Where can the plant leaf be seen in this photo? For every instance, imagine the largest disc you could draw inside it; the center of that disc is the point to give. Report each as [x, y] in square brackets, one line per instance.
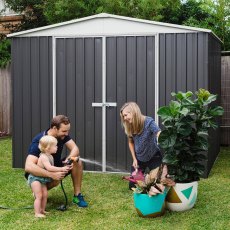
[174, 107]
[184, 111]
[202, 133]
[210, 99]
[164, 112]
[167, 139]
[217, 111]
[184, 129]
[170, 159]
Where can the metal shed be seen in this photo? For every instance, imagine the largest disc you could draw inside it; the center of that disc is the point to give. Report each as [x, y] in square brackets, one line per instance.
[87, 68]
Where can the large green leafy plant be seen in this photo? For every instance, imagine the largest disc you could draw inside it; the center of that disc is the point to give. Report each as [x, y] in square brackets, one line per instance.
[184, 139]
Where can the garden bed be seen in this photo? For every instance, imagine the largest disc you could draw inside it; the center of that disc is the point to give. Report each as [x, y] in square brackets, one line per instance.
[3, 134]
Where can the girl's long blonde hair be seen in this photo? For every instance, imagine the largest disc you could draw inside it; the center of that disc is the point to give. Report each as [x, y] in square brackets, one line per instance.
[138, 119]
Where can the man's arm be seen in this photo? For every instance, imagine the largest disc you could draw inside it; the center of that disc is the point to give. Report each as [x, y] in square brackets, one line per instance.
[31, 167]
[72, 147]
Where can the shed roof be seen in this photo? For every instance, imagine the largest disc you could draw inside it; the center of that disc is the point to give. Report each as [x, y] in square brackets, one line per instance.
[107, 24]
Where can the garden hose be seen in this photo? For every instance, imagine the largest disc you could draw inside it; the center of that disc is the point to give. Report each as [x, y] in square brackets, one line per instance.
[69, 162]
[10, 208]
[60, 208]
[63, 207]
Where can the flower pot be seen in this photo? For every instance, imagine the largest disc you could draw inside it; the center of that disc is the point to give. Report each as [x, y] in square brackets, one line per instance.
[182, 196]
[150, 206]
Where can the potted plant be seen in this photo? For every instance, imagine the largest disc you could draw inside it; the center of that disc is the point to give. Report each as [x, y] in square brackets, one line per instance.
[184, 141]
[151, 190]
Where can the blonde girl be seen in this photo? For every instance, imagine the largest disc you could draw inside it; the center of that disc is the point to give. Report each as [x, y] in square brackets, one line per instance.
[142, 133]
[47, 146]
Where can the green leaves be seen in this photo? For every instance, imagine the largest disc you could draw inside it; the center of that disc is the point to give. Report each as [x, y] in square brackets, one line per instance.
[164, 112]
[184, 111]
[4, 52]
[170, 159]
[184, 129]
[216, 111]
[180, 96]
[167, 139]
[184, 138]
[174, 107]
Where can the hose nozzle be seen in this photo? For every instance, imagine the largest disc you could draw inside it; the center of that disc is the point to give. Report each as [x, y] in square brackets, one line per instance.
[72, 159]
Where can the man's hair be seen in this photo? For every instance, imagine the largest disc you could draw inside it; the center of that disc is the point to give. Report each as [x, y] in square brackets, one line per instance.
[58, 120]
[46, 142]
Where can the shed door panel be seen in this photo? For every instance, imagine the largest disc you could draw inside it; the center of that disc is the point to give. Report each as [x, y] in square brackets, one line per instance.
[130, 76]
[79, 83]
[130, 71]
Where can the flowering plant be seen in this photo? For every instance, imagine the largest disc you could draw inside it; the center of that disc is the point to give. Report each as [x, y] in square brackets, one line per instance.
[151, 183]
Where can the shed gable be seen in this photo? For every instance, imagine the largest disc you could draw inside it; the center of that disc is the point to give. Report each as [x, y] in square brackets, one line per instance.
[106, 24]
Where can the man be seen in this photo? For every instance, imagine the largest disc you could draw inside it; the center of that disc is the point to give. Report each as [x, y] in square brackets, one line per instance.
[59, 128]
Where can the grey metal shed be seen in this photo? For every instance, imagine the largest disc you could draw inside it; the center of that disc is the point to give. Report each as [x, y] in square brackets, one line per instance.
[87, 68]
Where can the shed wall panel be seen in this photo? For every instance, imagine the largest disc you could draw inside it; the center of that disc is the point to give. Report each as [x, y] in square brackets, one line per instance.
[122, 85]
[71, 83]
[225, 100]
[130, 75]
[111, 96]
[202, 64]
[190, 61]
[35, 85]
[46, 90]
[150, 76]
[18, 154]
[214, 82]
[184, 64]
[26, 95]
[32, 92]
[79, 80]
[97, 98]
[79, 95]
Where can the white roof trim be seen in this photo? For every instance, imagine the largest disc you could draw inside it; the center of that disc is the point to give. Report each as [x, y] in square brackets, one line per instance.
[105, 15]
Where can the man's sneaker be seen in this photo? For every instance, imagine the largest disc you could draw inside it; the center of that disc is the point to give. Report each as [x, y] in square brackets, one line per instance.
[79, 200]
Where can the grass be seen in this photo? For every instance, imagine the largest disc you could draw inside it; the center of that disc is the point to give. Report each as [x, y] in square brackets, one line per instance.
[110, 202]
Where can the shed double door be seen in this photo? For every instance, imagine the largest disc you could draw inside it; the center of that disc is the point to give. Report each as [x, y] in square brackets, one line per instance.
[95, 76]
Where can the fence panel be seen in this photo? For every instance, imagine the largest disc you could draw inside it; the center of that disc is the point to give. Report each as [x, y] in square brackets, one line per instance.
[225, 100]
[5, 100]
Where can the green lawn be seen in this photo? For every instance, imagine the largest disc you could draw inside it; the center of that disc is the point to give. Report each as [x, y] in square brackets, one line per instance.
[110, 202]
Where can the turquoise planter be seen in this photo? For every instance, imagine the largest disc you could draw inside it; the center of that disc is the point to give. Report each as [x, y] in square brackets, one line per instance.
[150, 206]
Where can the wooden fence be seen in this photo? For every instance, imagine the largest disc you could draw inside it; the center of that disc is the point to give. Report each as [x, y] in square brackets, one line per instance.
[225, 100]
[5, 101]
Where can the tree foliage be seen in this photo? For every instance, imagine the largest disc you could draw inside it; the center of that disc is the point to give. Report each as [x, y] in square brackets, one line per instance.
[32, 12]
[64, 10]
[33, 17]
[219, 22]
[209, 14]
[4, 51]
